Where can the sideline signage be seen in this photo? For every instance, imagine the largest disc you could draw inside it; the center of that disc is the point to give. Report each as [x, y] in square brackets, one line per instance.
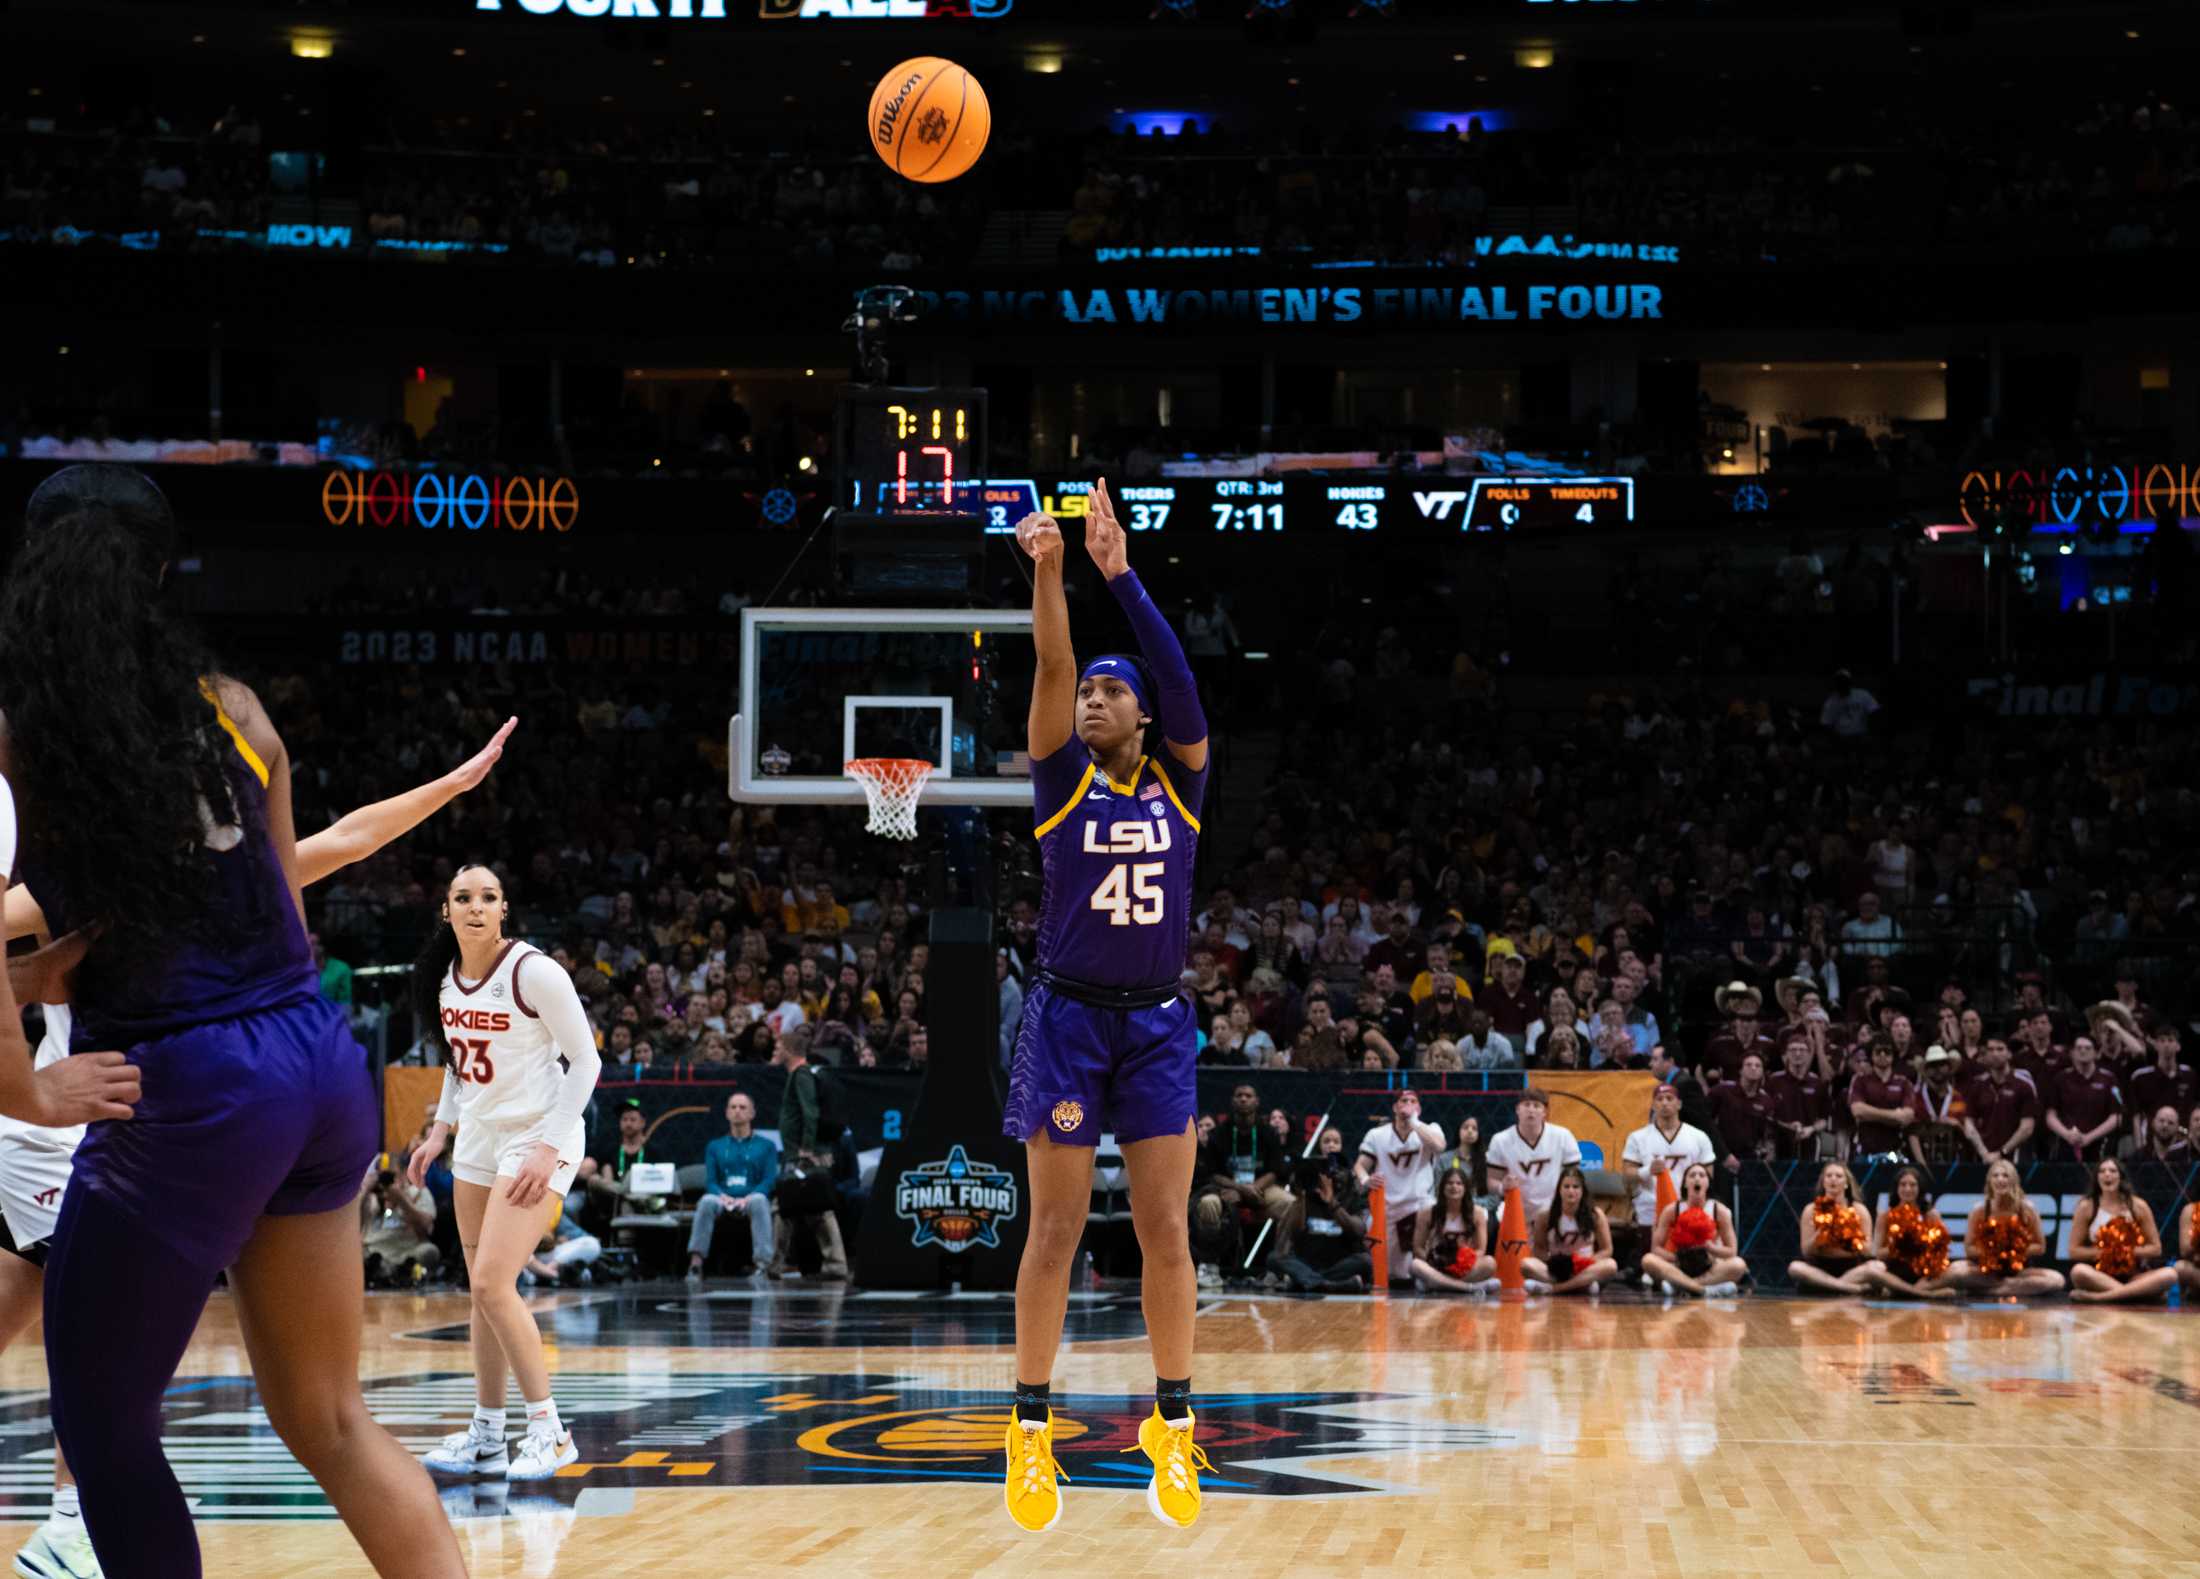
[449, 499]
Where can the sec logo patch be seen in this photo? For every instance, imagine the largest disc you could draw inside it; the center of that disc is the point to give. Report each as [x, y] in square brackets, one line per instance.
[1067, 1116]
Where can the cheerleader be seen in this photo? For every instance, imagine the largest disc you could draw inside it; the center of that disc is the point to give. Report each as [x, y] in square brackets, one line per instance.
[2112, 1241]
[520, 1066]
[1910, 1244]
[1692, 1247]
[1573, 1240]
[1449, 1252]
[1837, 1237]
[2001, 1241]
[2188, 1254]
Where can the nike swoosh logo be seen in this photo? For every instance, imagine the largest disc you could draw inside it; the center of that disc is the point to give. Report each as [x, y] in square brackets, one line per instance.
[1097, 795]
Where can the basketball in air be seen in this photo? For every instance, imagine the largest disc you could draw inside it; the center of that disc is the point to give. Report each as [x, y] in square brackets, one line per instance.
[929, 119]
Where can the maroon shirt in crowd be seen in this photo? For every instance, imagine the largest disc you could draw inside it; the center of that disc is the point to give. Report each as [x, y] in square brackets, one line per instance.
[1724, 1052]
[1511, 1013]
[2151, 1090]
[1746, 1119]
[2082, 1101]
[1796, 1101]
[1997, 1107]
[1895, 1091]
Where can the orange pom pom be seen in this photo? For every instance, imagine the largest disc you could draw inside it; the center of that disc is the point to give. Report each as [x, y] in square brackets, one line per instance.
[1839, 1230]
[1693, 1228]
[2117, 1239]
[2001, 1246]
[1917, 1244]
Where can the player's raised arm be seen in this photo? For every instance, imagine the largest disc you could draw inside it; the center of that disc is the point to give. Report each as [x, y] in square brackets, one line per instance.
[358, 834]
[1176, 703]
[1054, 686]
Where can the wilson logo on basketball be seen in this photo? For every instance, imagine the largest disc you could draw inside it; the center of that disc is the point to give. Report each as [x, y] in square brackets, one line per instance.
[890, 111]
[477, 1020]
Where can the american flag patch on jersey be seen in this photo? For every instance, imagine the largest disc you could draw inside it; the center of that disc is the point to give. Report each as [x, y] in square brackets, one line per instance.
[1150, 792]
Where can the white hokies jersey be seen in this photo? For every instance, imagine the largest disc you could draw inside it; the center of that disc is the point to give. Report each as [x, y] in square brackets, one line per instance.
[1646, 1145]
[1537, 1166]
[1405, 1165]
[507, 1062]
[35, 1162]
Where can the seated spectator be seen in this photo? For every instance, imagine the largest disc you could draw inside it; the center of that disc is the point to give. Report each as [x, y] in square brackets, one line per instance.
[564, 1256]
[1558, 1010]
[1443, 1016]
[1836, 1239]
[603, 1172]
[1910, 1243]
[397, 1227]
[1255, 1043]
[1637, 1028]
[2002, 1241]
[1439, 969]
[1692, 1245]
[1402, 1154]
[2115, 1247]
[1441, 1057]
[1467, 1154]
[1321, 1242]
[1387, 1007]
[1562, 1049]
[1241, 1184]
[1397, 949]
[1482, 1048]
[1451, 1243]
[2086, 1109]
[1222, 1045]
[740, 1172]
[2000, 1106]
[1667, 1144]
[1280, 1122]
[1723, 1054]
[1508, 1002]
[2167, 1142]
[1530, 1154]
[1319, 1046]
[1572, 1241]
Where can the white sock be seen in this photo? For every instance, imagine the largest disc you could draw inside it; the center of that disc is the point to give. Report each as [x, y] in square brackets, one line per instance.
[542, 1419]
[1033, 1425]
[65, 1503]
[489, 1423]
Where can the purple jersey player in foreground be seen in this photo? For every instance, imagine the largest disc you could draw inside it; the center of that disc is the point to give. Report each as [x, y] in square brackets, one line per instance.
[155, 817]
[1108, 1039]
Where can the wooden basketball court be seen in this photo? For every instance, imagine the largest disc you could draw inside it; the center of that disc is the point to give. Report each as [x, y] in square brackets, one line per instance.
[858, 1434]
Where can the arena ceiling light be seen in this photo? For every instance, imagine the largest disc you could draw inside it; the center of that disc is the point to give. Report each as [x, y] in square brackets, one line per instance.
[1535, 57]
[312, 46]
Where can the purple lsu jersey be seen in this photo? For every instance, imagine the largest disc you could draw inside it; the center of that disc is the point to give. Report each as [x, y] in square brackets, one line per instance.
[123, 998]
[1116, 909]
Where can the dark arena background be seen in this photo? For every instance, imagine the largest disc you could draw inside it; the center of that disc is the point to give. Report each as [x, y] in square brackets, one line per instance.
[1682, 515]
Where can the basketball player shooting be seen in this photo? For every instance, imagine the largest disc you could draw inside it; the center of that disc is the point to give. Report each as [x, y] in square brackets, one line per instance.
[1108, 1038]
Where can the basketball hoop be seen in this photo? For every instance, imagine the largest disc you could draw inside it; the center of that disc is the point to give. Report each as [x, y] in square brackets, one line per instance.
[891, 785]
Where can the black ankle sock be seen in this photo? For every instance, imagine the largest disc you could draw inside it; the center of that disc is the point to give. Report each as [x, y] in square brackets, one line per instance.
[1174, 1399]
[1031, 1400]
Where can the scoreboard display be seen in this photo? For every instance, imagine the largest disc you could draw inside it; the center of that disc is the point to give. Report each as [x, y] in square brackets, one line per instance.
[910, 451]
[1309, 505]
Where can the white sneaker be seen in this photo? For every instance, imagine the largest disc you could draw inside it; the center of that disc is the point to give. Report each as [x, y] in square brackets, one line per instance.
[58, 1549]
[1209, 1276]
[1666, 1288]
[467, 1452]
[1537, 1285]
[1722, 1291]
[540, 1456]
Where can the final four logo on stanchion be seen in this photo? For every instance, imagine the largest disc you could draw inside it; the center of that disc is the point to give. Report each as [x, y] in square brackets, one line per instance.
[956, 1204]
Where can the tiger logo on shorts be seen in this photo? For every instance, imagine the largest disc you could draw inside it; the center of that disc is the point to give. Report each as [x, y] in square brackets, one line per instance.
[1067, 1116]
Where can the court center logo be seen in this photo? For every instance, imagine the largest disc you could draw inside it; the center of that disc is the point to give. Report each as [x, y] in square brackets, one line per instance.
[956, 1204]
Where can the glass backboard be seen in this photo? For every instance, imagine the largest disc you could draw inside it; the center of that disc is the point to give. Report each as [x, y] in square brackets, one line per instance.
[822, 686]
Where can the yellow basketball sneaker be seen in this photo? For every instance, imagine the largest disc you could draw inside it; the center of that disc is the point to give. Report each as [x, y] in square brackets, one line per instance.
[1033, 1497]
[1173, 1494]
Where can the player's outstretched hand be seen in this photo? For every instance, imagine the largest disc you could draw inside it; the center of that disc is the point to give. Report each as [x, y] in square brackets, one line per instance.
[1104, 538]
[1039, 536]
[476, 767]
[82, 1088]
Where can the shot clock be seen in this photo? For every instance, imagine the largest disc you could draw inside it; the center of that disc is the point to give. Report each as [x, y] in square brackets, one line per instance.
[910, 451]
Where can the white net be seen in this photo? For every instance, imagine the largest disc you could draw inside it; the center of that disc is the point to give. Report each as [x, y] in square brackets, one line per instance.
[891, 785]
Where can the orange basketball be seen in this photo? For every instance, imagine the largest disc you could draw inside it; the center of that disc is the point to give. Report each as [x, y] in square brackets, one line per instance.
[929, 119]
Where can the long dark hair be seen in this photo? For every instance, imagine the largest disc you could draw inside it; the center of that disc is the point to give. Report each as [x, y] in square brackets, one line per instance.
[435, 958]
[116, 754]
[1585, 1219]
